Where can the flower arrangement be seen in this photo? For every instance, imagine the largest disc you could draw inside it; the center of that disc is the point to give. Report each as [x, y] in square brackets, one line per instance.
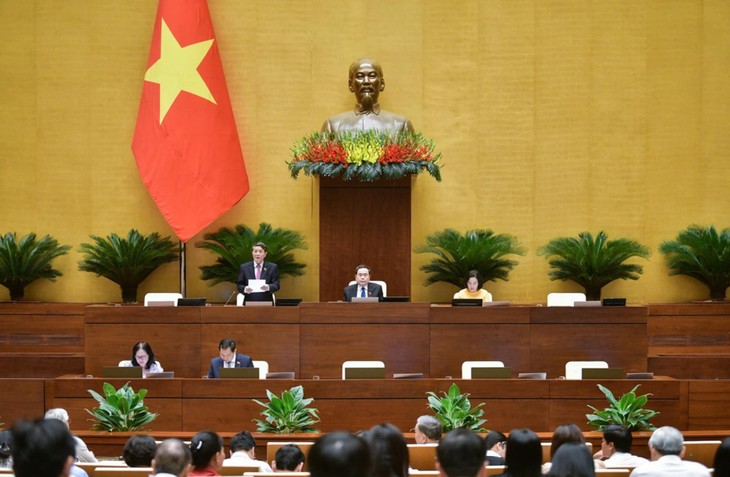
[365, 155]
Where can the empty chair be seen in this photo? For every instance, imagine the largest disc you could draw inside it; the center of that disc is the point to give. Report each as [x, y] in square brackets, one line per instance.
[564, 299]
[263, 368]
[169, 299]
[382, 284]
[467, 366]
[361, 364]
[574, 369]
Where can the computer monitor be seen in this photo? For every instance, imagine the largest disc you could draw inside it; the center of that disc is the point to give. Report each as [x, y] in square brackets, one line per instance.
[163, 374]
[396, 299]
[467, 302]
[288, 301]
[200, 301]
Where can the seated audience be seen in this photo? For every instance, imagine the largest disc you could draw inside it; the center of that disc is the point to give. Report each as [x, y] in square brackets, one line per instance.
[568, 433]
[722, 459]
[473, 288]
[43, 448]
[6, 444]
[666, 446]
[172, 459]
[362, 287]
[288, 458]
[83, 454]
[572, 460]
[139, 451]
[388, 451]
[428, 430]
[228, 358]
[206, 449]
[496, 447]
[616, 449]
[243, 452]
[339, 454]
[524, 454]
[142, 355]
[461, 453]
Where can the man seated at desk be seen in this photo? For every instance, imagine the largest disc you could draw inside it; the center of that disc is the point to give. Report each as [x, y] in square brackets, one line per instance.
[228, 358]
[362, 287]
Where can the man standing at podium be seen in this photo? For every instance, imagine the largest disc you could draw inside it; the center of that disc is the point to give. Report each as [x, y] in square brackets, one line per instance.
[258, 280]
[362, 287]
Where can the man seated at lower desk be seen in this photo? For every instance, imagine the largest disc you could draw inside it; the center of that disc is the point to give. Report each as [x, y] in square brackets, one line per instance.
[362, 287]
[228, 358]
[616, 449]
[243, 452]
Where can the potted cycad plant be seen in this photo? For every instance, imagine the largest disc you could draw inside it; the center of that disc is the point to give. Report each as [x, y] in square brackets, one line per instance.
[287, 414]
[26, 260]
[454, 410]
[120, 409]
[593, 263]
[627, 411]
[703, 254]
[127, 261]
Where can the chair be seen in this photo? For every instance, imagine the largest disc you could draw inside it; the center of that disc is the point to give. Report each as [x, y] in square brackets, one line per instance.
[263, 368]
[122, 471]
[150, 299]
[564, 299]
[238, 469]
[701, 451]
[361, 364]
[422, 456]
[467, 366]
[613, 472]
[241, 298]
[574, 369]
[273, 446]
[495, 469]
[382, 284]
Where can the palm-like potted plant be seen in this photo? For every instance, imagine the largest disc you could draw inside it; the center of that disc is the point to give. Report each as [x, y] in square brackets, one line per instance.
[627, 411]
[25, 261]
[120, 409]
[703, 254]
[127, 261]
[233, 247]
[454, 410]
[479, 249]
[287, 414]
[593, 264]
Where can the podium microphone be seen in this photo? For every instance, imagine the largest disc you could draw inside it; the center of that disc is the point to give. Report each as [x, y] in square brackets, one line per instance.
[229, 298]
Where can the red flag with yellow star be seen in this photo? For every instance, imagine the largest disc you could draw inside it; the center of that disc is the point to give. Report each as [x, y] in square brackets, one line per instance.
[186, 143]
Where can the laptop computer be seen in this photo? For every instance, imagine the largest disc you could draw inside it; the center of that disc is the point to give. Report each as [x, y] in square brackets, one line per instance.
[365, 299]
[496, 303]
[467, 302]
[160, 303]
[288, 301]
[584, 304]
[644, 375]
[532, 375]
[364, 373]
[258, 303]
[239, 373]
[396, 299]
[191, 301]
[491, 373]
[122, 372]
[614, 302]
[602, 373]
[280, 375]
[164, 374]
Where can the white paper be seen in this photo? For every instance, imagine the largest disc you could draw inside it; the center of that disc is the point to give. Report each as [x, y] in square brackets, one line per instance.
[256, 285]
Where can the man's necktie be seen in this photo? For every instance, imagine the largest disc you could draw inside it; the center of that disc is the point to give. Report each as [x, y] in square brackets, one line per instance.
[362, 292]
[258, 271]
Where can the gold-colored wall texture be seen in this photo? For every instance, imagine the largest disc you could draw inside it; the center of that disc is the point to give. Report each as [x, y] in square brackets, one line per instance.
[553, 117]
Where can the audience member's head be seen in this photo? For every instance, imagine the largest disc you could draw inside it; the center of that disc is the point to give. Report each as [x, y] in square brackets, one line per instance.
[569, 433]
[172, 457]
[428, 429]
[43, 448]
[243, 441]
[6, 445]
[615, 439]
[461, 453]
[388, 451]
[524, 454]
[139, 451]
[206, 448]
[142, 355]
[288, 458]
[339, 454]
[496, 442]
[58, 414]
[666, 441]
[722, 459]
[572, 460]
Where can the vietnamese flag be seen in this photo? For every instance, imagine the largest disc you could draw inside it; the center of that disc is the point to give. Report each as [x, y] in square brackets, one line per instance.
[185, 142]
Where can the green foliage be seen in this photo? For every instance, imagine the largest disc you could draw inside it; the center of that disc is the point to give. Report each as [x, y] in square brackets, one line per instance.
[120, 410]
[477, 249]
[703, 254]
[287, 414]
[454, 410]
[628, 411]
[26, 261]
[233, 247]
[591, 263]
[127, 262]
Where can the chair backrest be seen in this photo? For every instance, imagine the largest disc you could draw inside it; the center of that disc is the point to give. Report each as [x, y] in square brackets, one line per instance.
[495, 469]
[422, 456]
[701, 451]
[382, 284]
[122, 471]
[263, 368]
[361, 364]
[238, 469]
[613, 472]
[546, 450]
[564, 299]
[467, 366]
[277, 474]
[161, 298]
[273, 446]
[574, 369]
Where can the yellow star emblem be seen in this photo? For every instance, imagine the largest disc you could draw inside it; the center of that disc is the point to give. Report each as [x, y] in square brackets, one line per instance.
[177, 70]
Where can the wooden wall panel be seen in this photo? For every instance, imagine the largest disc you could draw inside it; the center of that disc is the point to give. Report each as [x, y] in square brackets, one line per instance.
[708, 405]
[21, 399]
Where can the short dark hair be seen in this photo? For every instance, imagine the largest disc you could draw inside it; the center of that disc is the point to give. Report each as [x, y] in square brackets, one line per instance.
[288, 457]
[461, 453]
[388, 451]
[143, 345]
[6, 444]
[259, 244]
[493, 438]
[572, 459]
[172, 457]
[203, 447]
[524, 453]
[227, 343]
[362, 265]
[568, 433]
[242, 441]
[474, 274]
[430, 426]
[620, 436]
[139, 451]
[339, 454]
[722, 458]
[41, 448]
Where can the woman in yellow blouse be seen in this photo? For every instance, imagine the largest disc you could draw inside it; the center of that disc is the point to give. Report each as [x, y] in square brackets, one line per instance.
[474, 288]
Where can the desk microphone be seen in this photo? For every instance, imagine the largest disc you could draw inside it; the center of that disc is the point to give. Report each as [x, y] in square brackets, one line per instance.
[229, 298]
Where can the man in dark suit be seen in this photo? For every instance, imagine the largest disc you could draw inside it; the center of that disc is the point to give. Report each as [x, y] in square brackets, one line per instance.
[258, 269]
[363, 287]
[228, 358]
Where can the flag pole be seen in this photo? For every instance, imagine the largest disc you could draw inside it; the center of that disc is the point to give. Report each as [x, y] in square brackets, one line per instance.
[182, 268]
